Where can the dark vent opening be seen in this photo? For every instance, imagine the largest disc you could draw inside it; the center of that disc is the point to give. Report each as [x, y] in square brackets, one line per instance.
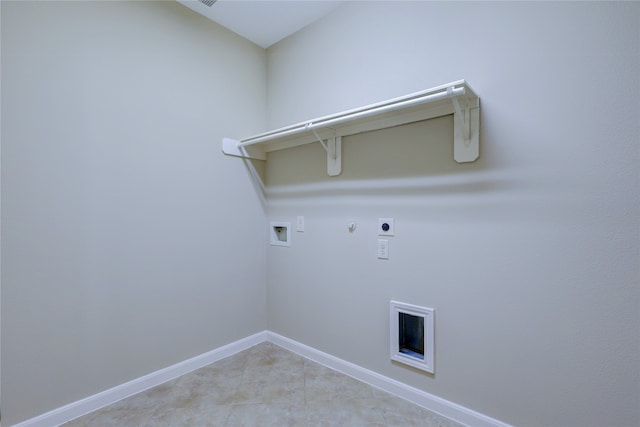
[411, 335]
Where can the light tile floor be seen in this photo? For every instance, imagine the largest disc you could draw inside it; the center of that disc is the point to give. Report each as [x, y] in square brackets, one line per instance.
[265, 385]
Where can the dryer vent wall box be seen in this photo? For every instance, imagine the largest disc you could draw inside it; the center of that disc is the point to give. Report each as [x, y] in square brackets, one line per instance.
[280, 233]
[412, 335]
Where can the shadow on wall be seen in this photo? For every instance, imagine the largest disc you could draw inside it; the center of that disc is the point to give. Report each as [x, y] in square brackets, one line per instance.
[411, 160]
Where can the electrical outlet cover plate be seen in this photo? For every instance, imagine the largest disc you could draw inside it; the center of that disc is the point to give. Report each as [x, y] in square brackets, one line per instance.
[385, 227]
[383, 249]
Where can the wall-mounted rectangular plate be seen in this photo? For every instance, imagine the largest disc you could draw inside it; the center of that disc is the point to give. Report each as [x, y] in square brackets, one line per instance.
[280, 233]
[412, 335]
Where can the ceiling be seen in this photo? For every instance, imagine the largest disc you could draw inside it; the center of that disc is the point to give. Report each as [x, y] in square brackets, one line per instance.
[264, 22]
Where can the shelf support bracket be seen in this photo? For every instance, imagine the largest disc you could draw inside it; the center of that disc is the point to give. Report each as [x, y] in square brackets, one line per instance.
[333, 147]
[334, 156]
[233, 147]
[320, 140]
[466, 130]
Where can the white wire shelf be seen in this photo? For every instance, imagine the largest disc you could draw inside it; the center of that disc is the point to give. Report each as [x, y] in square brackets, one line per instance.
[455, 98]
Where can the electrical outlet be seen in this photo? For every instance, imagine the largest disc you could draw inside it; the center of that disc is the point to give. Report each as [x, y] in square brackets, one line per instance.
[385, 227]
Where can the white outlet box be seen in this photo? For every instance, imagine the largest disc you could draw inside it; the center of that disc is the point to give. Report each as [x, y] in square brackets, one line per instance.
[385, 227]
[280, 233]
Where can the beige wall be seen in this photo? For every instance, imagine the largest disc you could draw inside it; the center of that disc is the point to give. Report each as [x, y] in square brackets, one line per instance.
[129, 241]
[529, 255]
[125, 249]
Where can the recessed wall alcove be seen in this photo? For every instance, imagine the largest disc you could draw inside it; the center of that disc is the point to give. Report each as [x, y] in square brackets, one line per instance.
[411, 337]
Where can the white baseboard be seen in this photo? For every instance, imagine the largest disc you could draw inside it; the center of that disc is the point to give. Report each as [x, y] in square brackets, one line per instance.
[428, 401]
[108, 397]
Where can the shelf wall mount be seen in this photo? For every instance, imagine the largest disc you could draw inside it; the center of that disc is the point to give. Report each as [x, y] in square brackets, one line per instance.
[455, 98]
